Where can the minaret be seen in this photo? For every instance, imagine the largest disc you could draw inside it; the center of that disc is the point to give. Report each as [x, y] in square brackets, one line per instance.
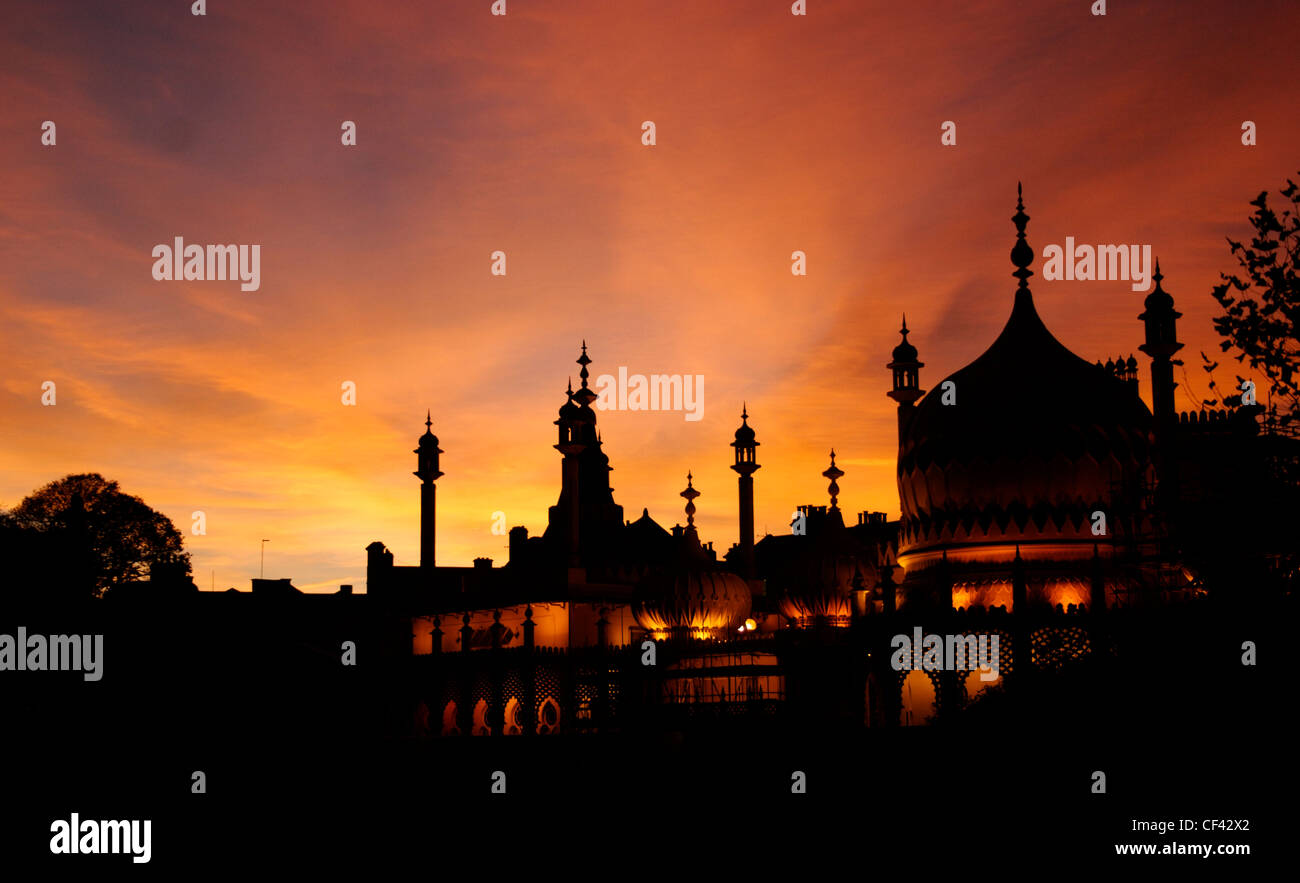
[1161, 343]
[907, 380]
[1161, 321]
[428, 473]
[746, 463]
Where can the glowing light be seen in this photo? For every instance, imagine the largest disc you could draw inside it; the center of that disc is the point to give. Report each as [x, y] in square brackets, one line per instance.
[749, 626]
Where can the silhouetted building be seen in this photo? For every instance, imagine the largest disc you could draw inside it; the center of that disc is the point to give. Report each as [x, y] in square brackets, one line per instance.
[1034, 487]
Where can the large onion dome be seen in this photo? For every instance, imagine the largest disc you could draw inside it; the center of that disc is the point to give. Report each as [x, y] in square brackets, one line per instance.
[1032, 441]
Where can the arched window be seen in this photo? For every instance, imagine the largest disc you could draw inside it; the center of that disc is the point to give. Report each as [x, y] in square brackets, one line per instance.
[449, 727]
[480, 726]
[918, 699]
[512, 718]
[548, 718]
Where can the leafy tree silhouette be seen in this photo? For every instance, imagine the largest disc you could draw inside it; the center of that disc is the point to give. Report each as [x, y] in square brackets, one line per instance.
[1260, 306]
[81, 536]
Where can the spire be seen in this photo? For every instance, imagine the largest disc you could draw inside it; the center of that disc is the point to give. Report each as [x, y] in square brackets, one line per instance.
[1021, 254]
[428, 421]
[905, 354]
[584, 396]
[690, 494]
[834, 473]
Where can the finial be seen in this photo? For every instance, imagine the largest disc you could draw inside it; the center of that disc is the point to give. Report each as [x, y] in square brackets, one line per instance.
[903, 330]
[569, 390]
[1021, 254]
[690, 494]
[428, 420]
[585, 396]
[744, 411]
[834, 473]
[1157, 276]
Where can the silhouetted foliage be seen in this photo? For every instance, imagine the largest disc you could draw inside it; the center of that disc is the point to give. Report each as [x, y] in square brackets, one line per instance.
[1260, 307]
[80, 536]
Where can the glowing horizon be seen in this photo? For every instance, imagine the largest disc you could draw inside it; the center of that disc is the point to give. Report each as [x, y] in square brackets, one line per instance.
[774, 134]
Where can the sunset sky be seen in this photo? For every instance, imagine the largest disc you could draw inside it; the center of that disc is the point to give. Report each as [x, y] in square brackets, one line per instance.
[522, 133]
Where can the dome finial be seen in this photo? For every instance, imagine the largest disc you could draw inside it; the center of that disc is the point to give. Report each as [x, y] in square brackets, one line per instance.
[1021, 254]
[744, 412]
[690, 494]
[584, 396]
[428, 420]
[1157, 276]
[834, 473]
[584, 361]
[903, 330]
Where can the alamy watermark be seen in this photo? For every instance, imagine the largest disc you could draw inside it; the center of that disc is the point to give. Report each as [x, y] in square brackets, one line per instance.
[24, 652]
[197, 263]
[99, 837]
[658, 392]
[1084, 263]
[946, 653]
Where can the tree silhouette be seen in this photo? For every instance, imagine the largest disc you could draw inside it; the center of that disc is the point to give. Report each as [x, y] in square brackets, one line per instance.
[81, 535]
[1260, 307]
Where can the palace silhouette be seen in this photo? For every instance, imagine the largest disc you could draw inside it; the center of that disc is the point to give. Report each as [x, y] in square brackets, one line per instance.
[1040, 500]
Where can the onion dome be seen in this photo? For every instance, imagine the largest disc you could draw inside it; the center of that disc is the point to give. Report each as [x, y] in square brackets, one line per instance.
[693, 603]
[1158, 299]
[819, 587]
[905, 352]
[569, 410]
[428, 439]
[427, 453]
[690, 597]
[1036, 440]
[745, 434]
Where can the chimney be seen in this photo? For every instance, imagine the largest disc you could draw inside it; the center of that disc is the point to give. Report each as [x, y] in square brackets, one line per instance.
[518, 540]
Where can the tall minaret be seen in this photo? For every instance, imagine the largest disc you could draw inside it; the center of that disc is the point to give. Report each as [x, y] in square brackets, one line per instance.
[907, 380]
[428, 473]
[1161, 343]
[746, 463]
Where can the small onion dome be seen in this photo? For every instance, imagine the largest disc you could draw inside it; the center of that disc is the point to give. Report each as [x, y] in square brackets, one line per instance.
[814, 582]
[905, 352]
[569, 410]
[693, 603]
[1158, 299]
[824, 591]
[745, 434]
[428, 439]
